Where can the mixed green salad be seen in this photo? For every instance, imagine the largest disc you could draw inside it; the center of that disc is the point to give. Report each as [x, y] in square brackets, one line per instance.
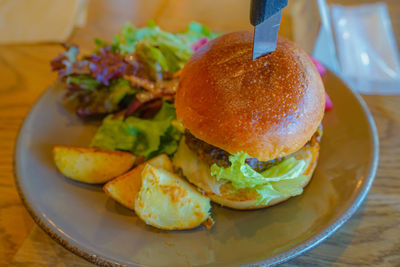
[132, 81]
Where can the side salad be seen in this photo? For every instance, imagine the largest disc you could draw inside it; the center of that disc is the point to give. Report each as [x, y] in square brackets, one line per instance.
[132, 81]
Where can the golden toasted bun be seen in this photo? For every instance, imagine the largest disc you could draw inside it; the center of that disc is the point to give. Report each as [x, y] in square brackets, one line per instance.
[198, 173]
[269, 107]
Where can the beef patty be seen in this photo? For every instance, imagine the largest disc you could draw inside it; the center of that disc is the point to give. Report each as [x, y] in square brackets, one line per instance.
[211, 154]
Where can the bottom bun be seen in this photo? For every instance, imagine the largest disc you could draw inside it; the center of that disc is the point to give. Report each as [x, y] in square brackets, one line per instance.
[198, 173]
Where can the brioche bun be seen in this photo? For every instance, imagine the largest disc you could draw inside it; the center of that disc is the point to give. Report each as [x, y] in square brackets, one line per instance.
[269, 107]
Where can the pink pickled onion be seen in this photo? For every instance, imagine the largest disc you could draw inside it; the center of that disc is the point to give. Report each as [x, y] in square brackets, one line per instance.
[322, 70]
[199, 43]
[328, 102]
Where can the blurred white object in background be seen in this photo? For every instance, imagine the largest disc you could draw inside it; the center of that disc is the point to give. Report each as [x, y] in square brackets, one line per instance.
[32, 21]
[366, 48]
[324, 48]
[355, 42]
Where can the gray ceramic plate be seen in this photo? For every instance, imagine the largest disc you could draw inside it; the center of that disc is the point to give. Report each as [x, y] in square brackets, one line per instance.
[84, 220]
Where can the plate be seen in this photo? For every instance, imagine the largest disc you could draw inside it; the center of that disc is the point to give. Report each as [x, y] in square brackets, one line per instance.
[88, 223]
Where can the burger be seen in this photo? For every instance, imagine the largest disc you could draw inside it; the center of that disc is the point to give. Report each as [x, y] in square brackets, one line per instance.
[252, 127]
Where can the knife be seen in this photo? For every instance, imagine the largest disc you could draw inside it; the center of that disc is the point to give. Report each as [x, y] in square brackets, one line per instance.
[265, 16]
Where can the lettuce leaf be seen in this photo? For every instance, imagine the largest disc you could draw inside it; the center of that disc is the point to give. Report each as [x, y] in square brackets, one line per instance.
[196, 31]
[282, 180]
[119, 89]
[126, 40]
[84, 81]
[95, 98]
[149, 137]
[158, 49]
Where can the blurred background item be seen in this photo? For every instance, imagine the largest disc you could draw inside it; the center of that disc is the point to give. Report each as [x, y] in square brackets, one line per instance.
[356, 42]
[33, 21]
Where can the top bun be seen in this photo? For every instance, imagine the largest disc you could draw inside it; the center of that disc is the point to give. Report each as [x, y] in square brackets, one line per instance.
[269, 107]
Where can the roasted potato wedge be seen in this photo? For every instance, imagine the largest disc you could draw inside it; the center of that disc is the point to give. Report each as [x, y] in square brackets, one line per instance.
[168, 202]
[124, 188]
[91, 165]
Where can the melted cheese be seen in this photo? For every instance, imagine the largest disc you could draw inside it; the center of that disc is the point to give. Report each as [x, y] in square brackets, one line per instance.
[194, 169]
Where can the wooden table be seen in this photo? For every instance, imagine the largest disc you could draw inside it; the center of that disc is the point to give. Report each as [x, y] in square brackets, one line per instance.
[372, 236]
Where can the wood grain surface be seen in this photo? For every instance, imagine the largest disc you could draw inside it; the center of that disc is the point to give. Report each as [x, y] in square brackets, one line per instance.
[371, 237]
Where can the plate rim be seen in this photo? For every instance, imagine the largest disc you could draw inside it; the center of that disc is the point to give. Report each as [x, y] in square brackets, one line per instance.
[101, 260]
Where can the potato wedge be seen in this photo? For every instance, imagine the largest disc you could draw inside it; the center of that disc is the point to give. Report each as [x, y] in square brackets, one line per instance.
[124, 188]
[91, 165]
[168, 202]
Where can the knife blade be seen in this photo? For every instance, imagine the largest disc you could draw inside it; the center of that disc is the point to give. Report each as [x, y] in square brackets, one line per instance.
[265, 15]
